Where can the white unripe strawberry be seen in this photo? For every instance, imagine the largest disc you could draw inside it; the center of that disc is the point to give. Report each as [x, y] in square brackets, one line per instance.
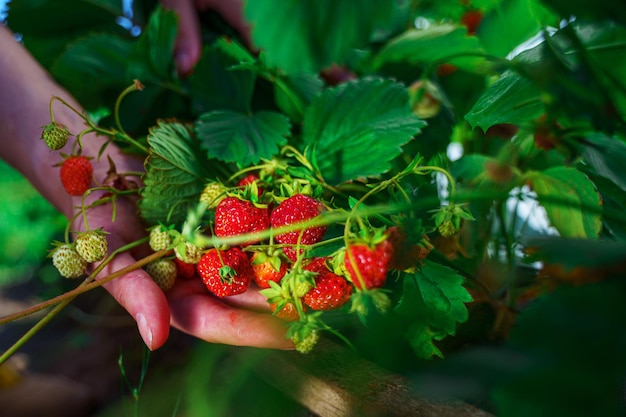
[92, 245]
[163, 272]
[188, 252]
[160, 239]
[68, 262]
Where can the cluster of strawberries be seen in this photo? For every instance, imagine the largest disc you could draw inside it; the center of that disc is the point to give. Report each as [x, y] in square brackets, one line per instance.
[273, 248]
[269, 238]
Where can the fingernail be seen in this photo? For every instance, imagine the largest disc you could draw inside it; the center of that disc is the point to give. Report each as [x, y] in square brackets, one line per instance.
[144, 330]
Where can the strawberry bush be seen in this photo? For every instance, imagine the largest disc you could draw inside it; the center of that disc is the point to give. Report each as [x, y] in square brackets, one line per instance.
[437, 184]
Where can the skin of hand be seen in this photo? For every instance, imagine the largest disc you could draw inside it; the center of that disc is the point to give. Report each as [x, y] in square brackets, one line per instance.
[188, 47]
[25, 92]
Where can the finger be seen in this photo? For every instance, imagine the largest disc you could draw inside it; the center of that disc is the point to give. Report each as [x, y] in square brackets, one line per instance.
[249, 300]
[142, 298]
[188, 46]
[232, 12]
[208, 318]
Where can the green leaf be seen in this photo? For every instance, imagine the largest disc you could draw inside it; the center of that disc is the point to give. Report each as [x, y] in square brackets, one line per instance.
[580, 70]
[511, 23]
[433, 301]
[294, 92]
[39, 22]
[93, 66]
[356, 129]
[151, 57]
[607, 156]
[176, 173]
[437, 44]
[583, 9]
[308, 35]
[241, 138]
[511, 99]
[571, 202]
[572, 350]
[214, 85]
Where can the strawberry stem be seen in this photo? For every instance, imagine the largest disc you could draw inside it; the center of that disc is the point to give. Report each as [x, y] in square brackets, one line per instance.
[65, 299]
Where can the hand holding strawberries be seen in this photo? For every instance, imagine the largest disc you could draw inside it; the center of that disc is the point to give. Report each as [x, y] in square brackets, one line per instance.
[25, 91]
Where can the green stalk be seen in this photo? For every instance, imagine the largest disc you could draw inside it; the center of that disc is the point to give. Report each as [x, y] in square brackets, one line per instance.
[65, 299]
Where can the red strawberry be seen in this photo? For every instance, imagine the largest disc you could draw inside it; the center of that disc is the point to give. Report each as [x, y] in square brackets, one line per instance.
[248, 180]
[330, 292]
[471, 20]
[185, 270]
[267, 268]
[225, 273]
[296, 209]
[287, 313]
[234, 217]
[317, 264]
[372, 264]
[76, 174]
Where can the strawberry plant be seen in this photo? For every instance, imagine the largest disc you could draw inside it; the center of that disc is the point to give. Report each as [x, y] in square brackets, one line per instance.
[437, 179]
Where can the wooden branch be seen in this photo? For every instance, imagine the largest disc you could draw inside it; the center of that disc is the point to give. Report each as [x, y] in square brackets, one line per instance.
[332, 382]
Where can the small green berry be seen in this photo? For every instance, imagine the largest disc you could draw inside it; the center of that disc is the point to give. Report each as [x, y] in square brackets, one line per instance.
[92, 245]
[163, 272]
[68, 262]
[55, 135]
[160, 239]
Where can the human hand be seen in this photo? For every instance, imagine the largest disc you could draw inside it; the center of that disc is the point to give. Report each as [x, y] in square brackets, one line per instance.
[188, 47]
[188, 306]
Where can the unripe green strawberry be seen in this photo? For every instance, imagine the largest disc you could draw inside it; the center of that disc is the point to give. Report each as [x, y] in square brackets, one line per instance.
[68, 262]
[447, 229]
[213, 193]
[188, 252]
[306, 343]
[163, 272]
[92, 245]
[55, 135]
[160, 239]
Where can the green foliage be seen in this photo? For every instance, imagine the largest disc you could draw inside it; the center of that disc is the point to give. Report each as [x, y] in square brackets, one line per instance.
[241, 138]
[572, 204]
[176, 169]
[437, 44]
[348, 141]
[309, 35]
[433, 299]
[536, 107]
[28, 224]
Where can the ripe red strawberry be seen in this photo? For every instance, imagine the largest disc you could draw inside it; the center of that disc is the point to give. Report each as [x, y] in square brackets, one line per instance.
[296, 209]
[248, 180]
[288, 312]
[267, 268]
[185, 270]
[317, 264]
[76, 174]
[372, 263]
[330, 292]
[226, 272]
[234, 217]
[471, 19]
